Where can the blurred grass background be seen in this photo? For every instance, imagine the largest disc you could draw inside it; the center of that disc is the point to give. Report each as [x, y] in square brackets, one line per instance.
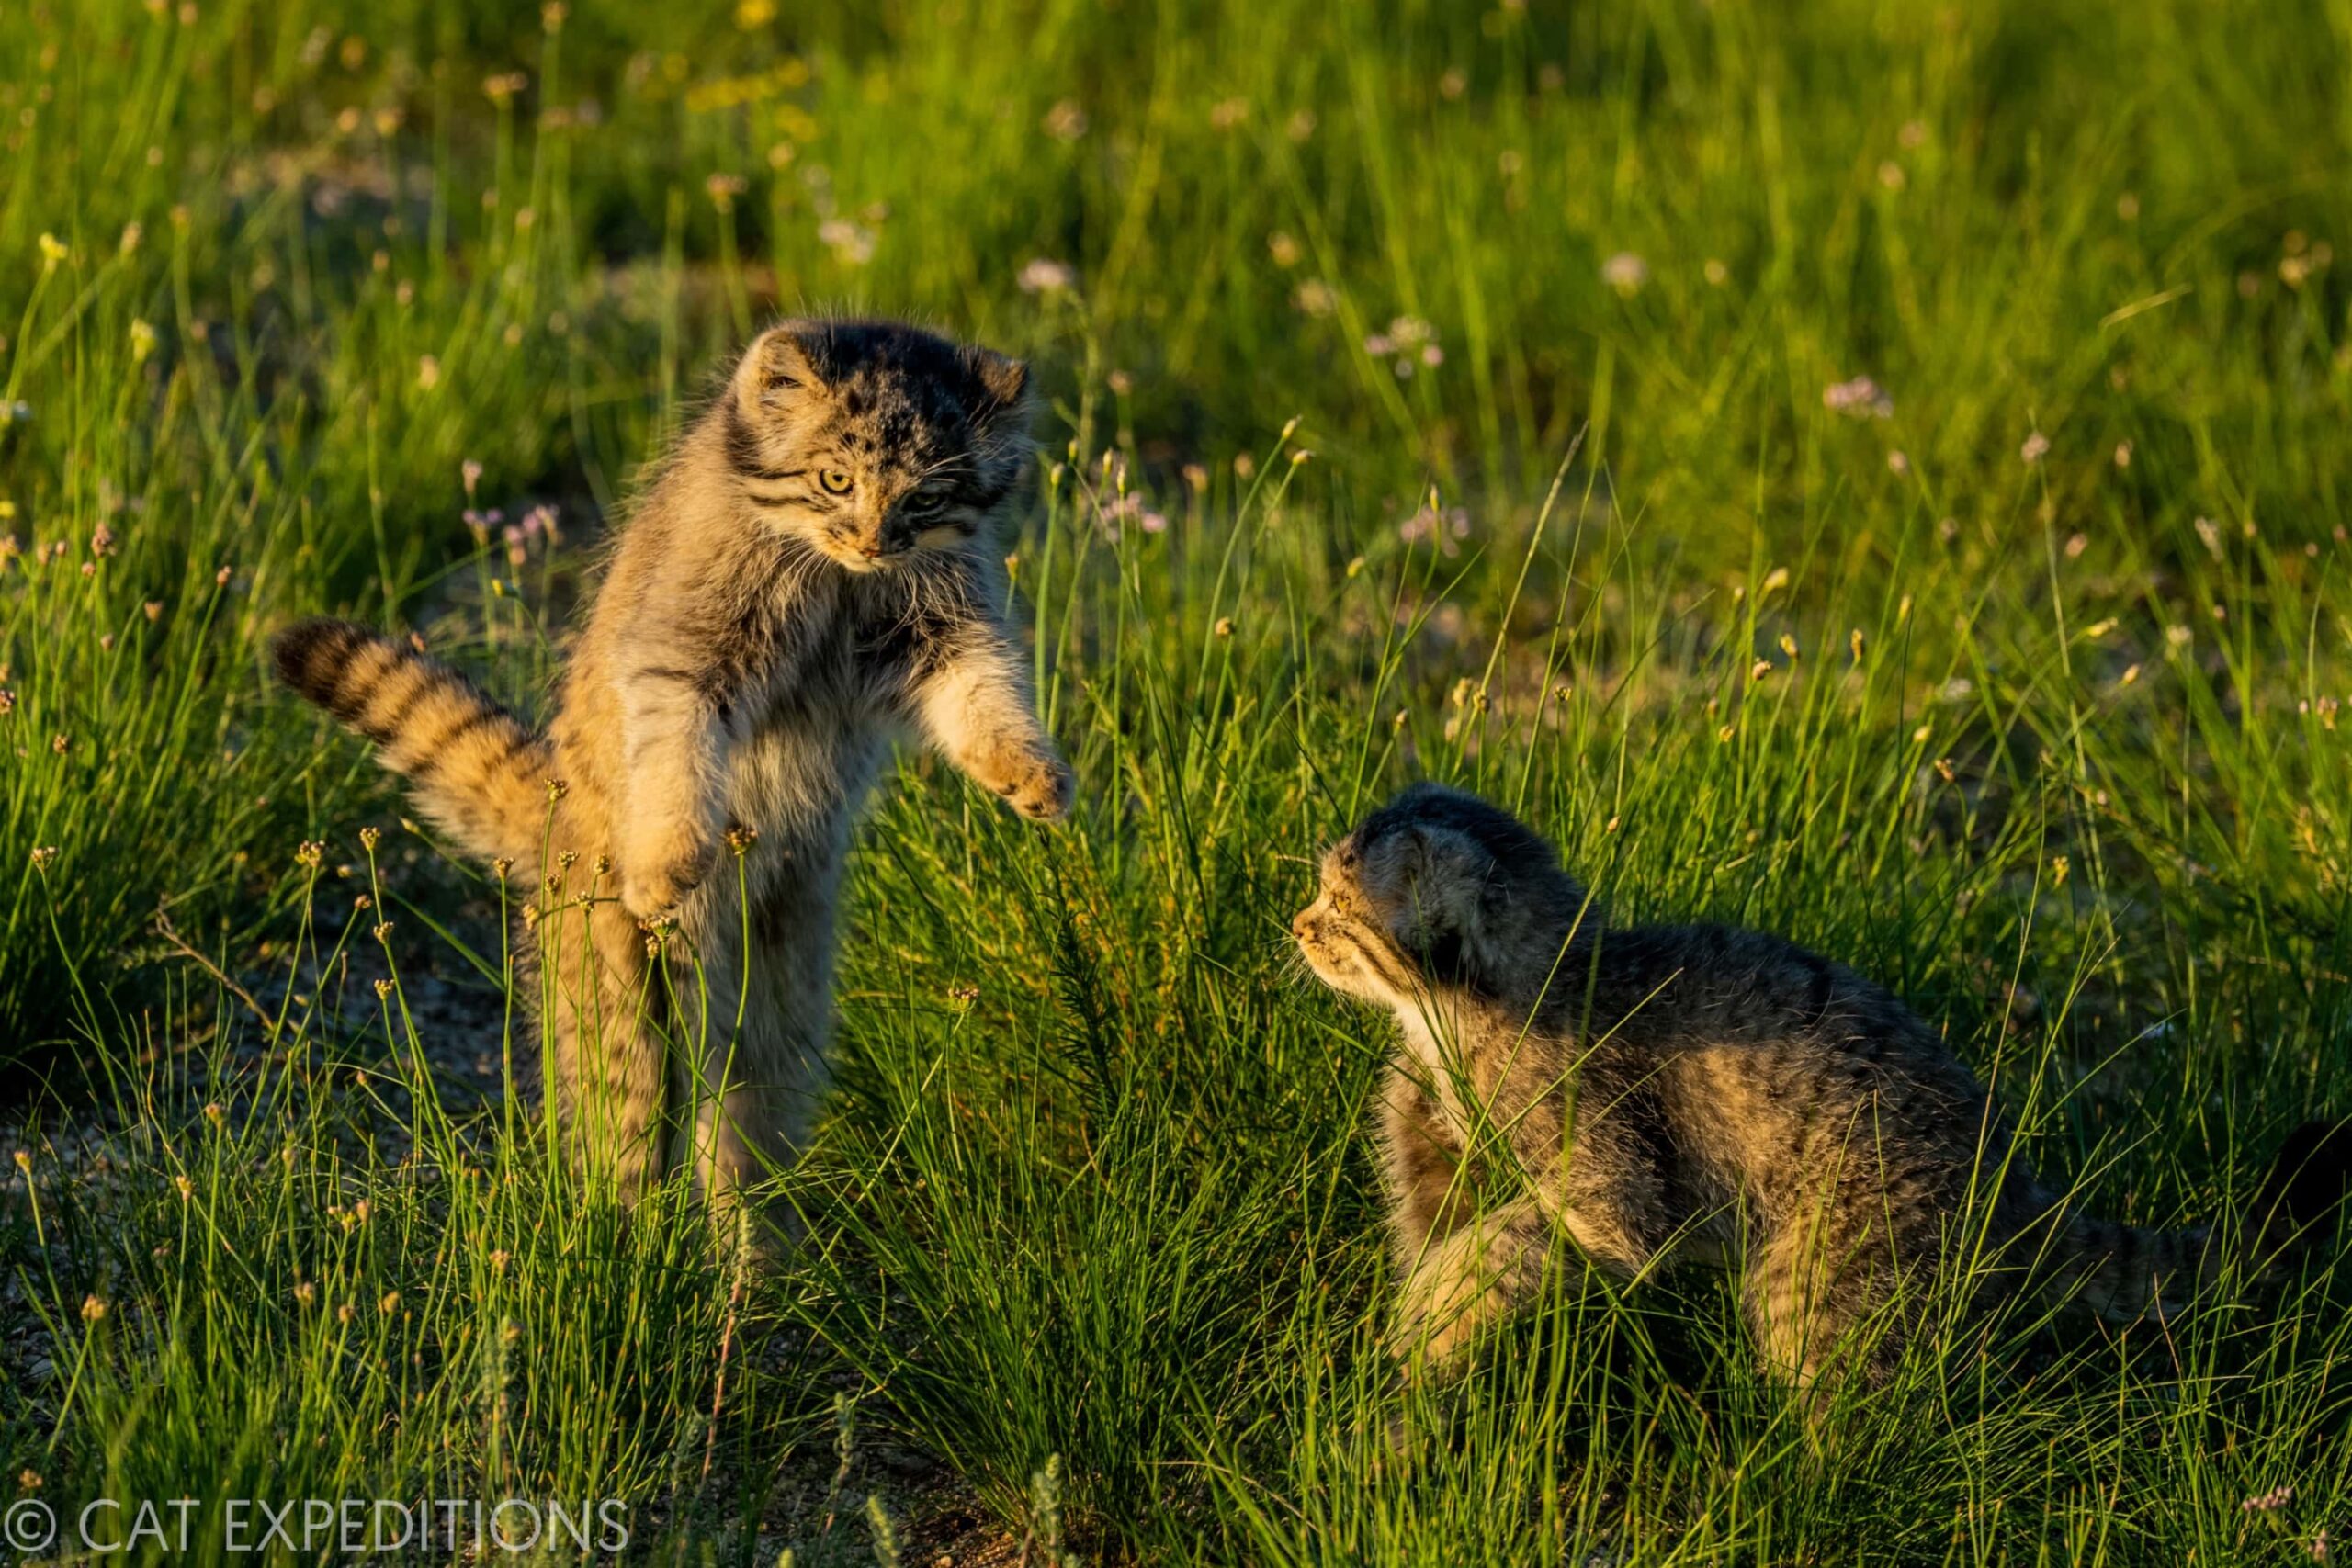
[1872, 470]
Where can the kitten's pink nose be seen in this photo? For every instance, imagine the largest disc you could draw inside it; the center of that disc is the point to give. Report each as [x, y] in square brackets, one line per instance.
[1300, 924]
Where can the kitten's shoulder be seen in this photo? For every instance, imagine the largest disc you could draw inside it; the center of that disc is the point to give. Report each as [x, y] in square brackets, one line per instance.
[1724, 975]
[1698, 948]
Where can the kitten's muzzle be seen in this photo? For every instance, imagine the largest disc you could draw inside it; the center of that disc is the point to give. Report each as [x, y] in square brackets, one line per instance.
[1313, 936]
[880, 547]
[1311, 930]
[1302, 925]
[860, 555]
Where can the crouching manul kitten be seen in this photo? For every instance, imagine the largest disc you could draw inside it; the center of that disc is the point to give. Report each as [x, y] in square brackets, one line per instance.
[817, 568]
[1666, 1094]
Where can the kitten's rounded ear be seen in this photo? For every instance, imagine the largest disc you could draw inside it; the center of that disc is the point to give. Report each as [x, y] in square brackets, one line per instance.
[1004, 378]
[1494, 901]
[1445, 872]
[775, 368]
[1436, 924]
[1414, 851]
[1426, 846]
[1413, 865]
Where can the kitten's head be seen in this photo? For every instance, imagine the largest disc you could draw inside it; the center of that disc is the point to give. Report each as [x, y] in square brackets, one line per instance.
[1438, 889]
[872, 440]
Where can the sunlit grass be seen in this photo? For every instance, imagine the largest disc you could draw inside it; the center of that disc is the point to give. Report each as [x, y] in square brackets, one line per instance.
[1870, 472]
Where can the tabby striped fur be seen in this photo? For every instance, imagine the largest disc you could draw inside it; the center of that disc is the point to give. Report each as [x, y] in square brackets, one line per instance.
[1697, 1094]
[478, 773]
[817, 568]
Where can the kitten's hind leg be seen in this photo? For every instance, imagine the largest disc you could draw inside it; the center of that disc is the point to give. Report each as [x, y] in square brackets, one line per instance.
[602, 1031]
[755, 1037]
[1825, 1303]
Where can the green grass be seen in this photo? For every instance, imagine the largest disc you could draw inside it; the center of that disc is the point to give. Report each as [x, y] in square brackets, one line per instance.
[2049, 745]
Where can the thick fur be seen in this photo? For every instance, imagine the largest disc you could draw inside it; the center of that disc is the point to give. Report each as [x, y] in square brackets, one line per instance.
[817, 569]
[1698, 1094]
[478, 773]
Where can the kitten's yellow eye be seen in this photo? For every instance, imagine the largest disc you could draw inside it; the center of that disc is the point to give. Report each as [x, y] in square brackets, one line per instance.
[835, 481]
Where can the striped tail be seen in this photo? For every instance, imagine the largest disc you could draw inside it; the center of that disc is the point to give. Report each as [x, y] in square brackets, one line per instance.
[2122, 1274]
[477, 772]
[2125, 1274]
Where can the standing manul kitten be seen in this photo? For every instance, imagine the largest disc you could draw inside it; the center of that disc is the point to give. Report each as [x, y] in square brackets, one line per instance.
[818, 569]
[1666, 1094]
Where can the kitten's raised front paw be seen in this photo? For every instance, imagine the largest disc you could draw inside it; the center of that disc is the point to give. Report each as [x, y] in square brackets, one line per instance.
[1039, 786]
[660, 869]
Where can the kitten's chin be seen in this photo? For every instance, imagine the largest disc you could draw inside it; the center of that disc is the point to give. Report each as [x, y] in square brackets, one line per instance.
[1343, 978]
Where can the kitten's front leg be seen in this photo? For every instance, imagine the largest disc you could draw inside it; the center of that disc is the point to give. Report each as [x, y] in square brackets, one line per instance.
[1429, 1197]
[1469, 1282]
[975, 706]
[673, 740]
